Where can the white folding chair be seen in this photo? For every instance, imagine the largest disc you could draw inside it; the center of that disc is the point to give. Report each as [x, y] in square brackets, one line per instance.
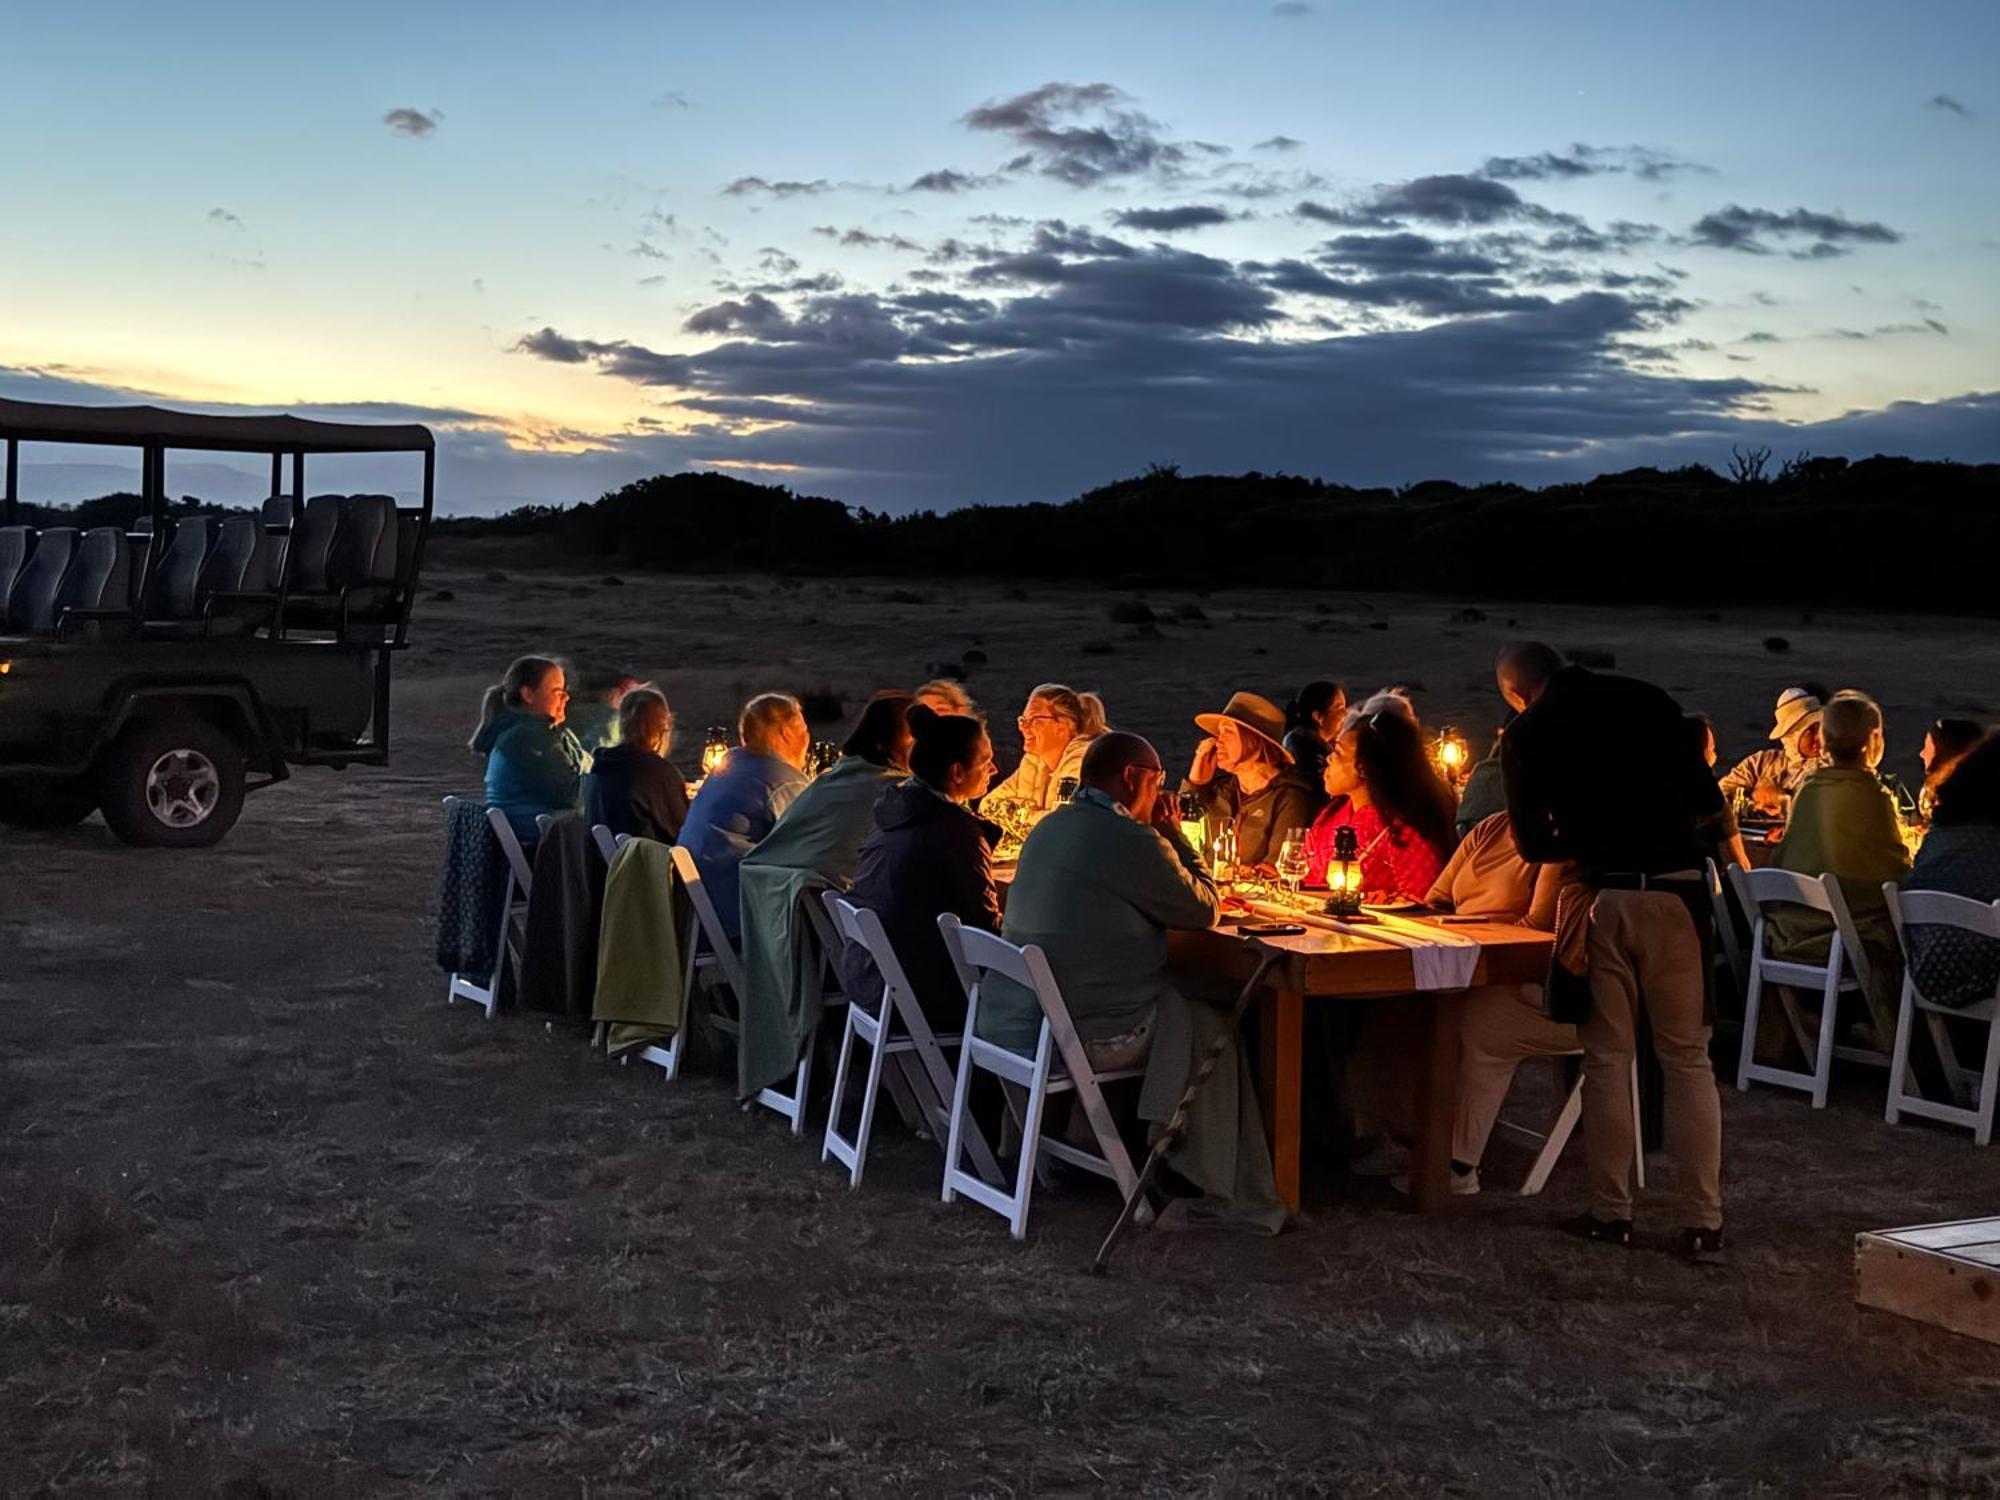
[825, 944]
[486, 995]
[1729, 957]
[712, 962]
[1938, 909]
[1564, 1127]
[1845, 972]
[900, 1030]
[1058, 1065]
[607, 842]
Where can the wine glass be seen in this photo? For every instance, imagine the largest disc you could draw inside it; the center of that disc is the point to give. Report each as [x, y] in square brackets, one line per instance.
[1292, 862]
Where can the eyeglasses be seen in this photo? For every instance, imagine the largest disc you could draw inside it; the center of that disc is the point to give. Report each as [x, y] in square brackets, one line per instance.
[1026, 719]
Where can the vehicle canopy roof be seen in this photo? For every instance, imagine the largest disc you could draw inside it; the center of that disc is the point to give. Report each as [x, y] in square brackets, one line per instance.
[154, 426]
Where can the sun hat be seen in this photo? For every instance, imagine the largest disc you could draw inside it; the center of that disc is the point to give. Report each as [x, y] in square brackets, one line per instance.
[1796, 709]
[1260, 716]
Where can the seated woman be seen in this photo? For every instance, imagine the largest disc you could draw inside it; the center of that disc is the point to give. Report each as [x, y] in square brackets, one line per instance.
[533, 763]
[1961, 855]
[1503, 1023]
[593, 712]
[1057, 726]
[1312, 724]
[1720, 835]
[929, 853]
[943, 696]
[1384, 787]
[1946, 743]
[740, 801]
[1245, 778]
[815, 844]
[632, 787]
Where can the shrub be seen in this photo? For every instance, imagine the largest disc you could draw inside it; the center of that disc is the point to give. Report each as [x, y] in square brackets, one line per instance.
[1130, 612]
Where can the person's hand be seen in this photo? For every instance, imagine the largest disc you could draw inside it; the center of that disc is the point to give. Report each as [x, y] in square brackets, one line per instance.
[1202, 771]
[1167, 813]
[1766, 798]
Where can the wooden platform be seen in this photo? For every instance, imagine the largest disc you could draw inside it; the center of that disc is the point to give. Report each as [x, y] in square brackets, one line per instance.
[1946, 1274]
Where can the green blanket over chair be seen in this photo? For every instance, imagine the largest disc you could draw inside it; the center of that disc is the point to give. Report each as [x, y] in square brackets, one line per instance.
[641, 965]
[816, 846]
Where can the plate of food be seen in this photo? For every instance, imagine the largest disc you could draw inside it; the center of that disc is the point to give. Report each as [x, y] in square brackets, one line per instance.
[1396, 908]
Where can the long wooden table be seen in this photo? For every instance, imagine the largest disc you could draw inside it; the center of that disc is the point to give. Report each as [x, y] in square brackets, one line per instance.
[1324, 966]
[1320, 965]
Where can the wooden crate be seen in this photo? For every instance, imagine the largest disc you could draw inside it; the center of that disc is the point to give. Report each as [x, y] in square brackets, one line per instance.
[1946, 1274]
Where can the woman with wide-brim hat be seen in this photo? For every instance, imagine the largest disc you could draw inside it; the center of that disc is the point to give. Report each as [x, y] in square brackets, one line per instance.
[1246, 778]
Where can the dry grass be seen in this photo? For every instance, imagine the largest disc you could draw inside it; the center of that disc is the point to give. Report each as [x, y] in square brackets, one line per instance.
[275, 1221]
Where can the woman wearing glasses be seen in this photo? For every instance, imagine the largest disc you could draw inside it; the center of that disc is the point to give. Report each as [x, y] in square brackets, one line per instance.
[1057, 726]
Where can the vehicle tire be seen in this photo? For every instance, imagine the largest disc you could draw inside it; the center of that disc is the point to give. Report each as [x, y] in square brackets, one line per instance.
[40, 804]
[172, 781]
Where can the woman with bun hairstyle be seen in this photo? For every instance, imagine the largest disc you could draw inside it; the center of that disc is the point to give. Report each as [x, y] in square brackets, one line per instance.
[929, 853]
[534, 765]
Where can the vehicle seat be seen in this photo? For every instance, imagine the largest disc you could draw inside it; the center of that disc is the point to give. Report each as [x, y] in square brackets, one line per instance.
[277, 511]
[237, 564]
[313, 543]
[16, 542]
[100, 576]
[175, 581]
[31, 607]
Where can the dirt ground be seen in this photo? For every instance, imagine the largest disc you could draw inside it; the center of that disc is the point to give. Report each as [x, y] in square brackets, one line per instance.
[275, 1220]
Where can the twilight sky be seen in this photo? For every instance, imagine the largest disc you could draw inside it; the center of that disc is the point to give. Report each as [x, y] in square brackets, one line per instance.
[924, 253]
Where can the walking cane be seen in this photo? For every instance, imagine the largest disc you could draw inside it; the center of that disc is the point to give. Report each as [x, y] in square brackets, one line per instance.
[1176, 1125]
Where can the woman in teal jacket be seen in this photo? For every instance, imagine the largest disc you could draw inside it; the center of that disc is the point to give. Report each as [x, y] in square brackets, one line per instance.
[534, 764]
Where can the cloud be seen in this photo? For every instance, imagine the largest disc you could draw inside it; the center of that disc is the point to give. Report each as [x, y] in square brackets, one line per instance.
[1589, 161]
[672, 99]
[1080, 134]
[949, 180]
[1744, 229]
[1171, 220]
[745, 187]
[222, 218]
[1950, 106]
[1406, 252]
[1291, 9]
[1448, 198]
[866, 239]
[414, 124]
[1278, 143]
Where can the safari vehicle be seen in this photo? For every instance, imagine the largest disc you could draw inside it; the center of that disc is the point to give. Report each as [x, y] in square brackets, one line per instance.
[160, 673]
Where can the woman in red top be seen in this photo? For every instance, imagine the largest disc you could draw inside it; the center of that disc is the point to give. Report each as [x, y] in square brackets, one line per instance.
[1383, 786]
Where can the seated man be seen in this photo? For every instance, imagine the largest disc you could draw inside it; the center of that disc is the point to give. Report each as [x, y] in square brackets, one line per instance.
[1101, 882]
[740, 801]
[1844, 824]
[1770, 777]
[1503, 1023]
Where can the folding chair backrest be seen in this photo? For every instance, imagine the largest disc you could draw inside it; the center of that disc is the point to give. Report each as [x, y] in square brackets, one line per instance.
[825, 935]
[706, 918]
[977, 953]
[1909, 909]
[857, 924]
[517, 857]
[1760, 888]
[1850, 937]
[606, 841]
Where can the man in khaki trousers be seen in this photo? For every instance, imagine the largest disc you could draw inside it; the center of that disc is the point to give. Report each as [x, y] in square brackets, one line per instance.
[1628, 820]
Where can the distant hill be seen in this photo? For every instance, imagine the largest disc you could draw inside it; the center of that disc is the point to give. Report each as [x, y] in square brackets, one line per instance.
[1890, 532]
[1883, 531]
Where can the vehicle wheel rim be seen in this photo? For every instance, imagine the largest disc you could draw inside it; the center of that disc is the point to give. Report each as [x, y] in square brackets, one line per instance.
[182, 788]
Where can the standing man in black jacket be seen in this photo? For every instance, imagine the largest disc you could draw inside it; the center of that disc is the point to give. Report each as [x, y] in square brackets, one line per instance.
[1628, 820]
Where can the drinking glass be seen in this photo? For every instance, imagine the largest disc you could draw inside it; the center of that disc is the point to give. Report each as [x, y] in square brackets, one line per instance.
[1292, 862]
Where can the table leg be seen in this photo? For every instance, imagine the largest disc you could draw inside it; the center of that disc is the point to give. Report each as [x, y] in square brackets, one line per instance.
[1282, 1033]
[1437, 1103]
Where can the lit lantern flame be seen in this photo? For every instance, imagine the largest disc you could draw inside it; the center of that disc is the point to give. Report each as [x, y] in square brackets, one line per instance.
[715, 751]
[1343, 875]
[1452, 754]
